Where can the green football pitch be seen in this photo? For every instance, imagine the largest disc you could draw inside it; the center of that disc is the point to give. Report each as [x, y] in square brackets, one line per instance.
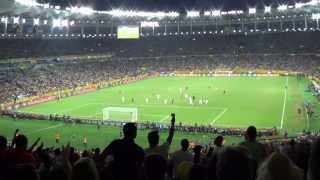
[265, 102]
[261, 101]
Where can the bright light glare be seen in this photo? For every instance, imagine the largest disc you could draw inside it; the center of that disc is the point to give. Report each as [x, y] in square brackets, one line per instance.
[252, 10]
[123, 13]
[56, 23]
[216, 13]
[299, 5]
[4, 19]
[149, 24]
[193, 14]
[82, 10]
[207, 13]
[28, 2]
[64, 23]
[16, 20]
[315, 16]
[36, 21]
[267, 9]
[282, 7]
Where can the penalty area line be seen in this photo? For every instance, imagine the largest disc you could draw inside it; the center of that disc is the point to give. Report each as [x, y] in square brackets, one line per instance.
[219, 116]
[165, 118]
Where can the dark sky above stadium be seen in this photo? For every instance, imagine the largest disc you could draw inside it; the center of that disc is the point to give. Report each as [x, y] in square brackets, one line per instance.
[177, 5]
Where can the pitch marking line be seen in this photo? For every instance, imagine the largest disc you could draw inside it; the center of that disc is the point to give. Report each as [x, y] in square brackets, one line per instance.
[284, 103]
[219, 116]
[165, 118]
[45, 129]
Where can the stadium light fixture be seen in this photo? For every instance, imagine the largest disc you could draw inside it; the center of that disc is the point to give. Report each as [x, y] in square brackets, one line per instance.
[149, 24]
[36, 21]
[56, 23]
[72, 23]
[27, 2]
[16, 20]
[82, 10]
[315, 16]
[216, 13]
[4, 20]
[64, 23]
[23, 20]
[207, 13]
[193, 14]
[45, 22]
[267, 9]
[282, 8]
[252, 10]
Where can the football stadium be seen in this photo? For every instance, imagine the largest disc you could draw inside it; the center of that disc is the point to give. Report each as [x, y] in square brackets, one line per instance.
[159, 90]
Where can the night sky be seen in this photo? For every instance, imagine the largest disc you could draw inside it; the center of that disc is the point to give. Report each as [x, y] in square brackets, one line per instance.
[169, 5]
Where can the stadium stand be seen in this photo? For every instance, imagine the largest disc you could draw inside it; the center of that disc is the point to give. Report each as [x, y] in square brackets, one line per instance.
[36, 63]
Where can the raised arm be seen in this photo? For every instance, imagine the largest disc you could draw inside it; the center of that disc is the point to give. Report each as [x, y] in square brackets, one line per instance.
[14, 138]
[34, 145]
[172, 128]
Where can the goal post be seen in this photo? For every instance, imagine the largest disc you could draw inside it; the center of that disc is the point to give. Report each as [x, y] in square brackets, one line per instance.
[133, 112]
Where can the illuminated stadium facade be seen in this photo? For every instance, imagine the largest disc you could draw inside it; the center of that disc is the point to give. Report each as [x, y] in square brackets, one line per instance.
[36, 20]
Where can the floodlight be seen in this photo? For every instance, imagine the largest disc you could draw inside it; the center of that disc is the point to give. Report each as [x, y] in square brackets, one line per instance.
[149, 24]
[4, 19]
[216, 13]
[193, 14]
[45, 22]
[36, 21]
[47, 6]
[282, 7]
[207, 13]
[64, 23]
[16, 20]
[252, 10]
[82, 10]
[27, 2]
[267, 9]
[23, 20]
[315, 16]
[72, 23]
[56, 23]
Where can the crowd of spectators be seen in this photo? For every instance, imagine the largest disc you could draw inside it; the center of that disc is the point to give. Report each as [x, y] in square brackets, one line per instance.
[296, 52]
[295, 159]
[32, 79]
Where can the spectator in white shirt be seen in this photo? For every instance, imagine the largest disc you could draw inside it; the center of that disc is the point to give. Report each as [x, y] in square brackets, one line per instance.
[153, 139]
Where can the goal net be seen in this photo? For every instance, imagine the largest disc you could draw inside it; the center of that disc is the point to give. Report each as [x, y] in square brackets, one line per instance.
[120, 114]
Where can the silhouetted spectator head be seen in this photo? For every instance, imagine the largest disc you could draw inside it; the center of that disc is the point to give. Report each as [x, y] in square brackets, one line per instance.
[278, 167]
[97, 151]
[130, 130]
[218, 141]
[197, 172]
[25, 172]
[314, 161]
[234, 164]
[184, 144]
[21, 141]
[251, 133]
[155, 167]
[85, 169]
[153, 138]
[3, 143]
